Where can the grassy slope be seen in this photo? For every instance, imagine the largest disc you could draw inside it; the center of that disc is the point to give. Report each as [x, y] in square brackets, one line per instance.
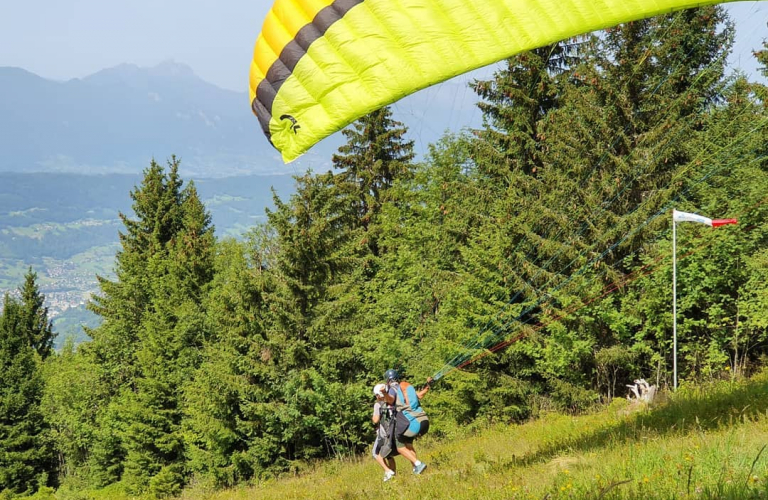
[702, 443]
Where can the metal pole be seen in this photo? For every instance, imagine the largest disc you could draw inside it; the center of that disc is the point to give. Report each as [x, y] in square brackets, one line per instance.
[674, 302]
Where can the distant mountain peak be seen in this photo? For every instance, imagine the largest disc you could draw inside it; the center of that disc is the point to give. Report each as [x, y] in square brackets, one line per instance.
[13, 70]
[141, 77]
[118, 118]
[170, 67]
[120, 72]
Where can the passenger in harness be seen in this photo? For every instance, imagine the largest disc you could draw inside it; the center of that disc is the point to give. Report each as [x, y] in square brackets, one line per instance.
[383, 415]
[410, 419]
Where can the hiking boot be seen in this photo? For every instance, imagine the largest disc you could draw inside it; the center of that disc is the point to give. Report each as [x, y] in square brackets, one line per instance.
[418, 469]
[389, 475]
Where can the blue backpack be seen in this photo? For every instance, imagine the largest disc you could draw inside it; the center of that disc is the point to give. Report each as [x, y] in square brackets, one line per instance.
[411, 420]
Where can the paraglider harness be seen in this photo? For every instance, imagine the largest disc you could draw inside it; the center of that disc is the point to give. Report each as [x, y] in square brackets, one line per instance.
[402, 421]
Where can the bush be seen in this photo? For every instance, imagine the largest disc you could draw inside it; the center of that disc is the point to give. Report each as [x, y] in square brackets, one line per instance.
[571, 398]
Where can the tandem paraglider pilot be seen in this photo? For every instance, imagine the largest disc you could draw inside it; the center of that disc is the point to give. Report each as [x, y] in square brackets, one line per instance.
[408, 421]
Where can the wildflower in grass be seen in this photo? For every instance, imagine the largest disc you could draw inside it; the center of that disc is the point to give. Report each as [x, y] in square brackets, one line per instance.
[646, 480]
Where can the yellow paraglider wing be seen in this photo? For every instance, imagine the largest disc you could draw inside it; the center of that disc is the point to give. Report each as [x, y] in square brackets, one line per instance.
[319, 65]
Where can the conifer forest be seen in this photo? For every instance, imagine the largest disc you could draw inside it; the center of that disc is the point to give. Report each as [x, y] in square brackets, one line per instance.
[525, 265]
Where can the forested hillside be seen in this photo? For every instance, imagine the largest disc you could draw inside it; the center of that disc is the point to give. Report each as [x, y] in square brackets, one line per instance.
[65, 226]
[48, 215]
[526, 266]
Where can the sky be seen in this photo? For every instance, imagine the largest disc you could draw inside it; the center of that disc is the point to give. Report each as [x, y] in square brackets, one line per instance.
[64, 39]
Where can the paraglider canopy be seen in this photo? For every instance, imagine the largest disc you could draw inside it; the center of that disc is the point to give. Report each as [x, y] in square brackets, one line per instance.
[318, 65]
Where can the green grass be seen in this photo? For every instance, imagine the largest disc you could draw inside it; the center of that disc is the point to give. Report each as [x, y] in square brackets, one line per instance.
[701, 443]
[96, 260]
[12, 274]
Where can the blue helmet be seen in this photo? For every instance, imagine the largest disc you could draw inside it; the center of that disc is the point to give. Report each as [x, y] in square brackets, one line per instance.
[391, 375]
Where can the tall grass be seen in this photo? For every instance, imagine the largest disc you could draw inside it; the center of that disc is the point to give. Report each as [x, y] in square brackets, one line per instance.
[703, 442]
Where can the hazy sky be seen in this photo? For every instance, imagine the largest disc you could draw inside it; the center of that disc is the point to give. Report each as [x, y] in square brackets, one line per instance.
[63, 39]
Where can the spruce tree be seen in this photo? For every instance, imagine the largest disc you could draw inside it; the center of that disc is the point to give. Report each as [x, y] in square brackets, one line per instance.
[171, 335]
[36, 316]
[762, 58]
[513, 103]
[580, 155]
[148, 345]
[621, 148]
[632, 109]
[505, 233]
[509, 152]
[720, 273]
[229, 411]
[628, 116]
[375, 154]
[123, 301]
[26, 457]
[311, 305]
[312, 231]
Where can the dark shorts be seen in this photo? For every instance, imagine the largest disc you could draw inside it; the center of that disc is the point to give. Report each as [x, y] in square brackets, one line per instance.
[401, 441]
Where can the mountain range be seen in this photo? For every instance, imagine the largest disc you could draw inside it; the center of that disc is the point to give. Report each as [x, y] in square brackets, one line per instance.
[117, 119]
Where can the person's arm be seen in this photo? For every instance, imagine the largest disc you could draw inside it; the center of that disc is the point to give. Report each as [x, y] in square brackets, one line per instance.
[376, 414]
[424, 389]
[389, 395]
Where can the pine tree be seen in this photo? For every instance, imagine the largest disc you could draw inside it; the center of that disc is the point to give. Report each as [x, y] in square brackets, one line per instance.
[36, 316]
[513, 103]
[623, 146]
[26, 457]
[229, 411]
[579, 154]
[148, 345]
[375, 154]
[634, 105]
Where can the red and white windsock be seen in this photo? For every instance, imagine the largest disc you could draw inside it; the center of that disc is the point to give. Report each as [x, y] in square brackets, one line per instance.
[678, 216]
